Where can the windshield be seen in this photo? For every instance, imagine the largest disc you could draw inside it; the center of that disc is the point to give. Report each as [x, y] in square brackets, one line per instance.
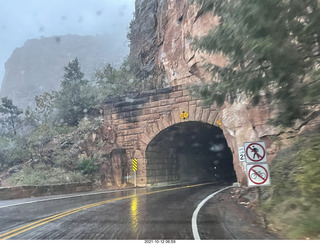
[159, 120]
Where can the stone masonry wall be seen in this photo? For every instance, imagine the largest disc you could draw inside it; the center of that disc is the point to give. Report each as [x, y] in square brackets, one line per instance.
[138, 118]
[135, 119]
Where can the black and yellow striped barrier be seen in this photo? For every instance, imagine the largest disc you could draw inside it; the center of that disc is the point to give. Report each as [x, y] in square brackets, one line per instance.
[134, 164]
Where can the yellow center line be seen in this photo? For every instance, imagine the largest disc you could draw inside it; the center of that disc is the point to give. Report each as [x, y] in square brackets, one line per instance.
[35, 223]
[38, 223]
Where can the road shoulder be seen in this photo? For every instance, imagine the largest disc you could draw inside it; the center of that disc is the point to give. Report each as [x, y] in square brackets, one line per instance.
[227, 217]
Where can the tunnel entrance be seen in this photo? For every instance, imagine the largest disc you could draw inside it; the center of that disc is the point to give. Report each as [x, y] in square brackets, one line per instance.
[191, 152]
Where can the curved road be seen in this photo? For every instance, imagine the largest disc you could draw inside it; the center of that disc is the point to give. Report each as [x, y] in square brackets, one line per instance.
[144, 213]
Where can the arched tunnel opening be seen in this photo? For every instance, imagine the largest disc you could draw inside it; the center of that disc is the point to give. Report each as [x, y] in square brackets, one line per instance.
[189, 152]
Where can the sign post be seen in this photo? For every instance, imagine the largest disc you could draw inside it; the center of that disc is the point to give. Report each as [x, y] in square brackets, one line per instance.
[135, 168]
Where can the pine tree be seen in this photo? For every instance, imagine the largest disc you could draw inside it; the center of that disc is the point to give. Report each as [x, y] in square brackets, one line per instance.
[273, 50]
[10, 114]
[76, 96]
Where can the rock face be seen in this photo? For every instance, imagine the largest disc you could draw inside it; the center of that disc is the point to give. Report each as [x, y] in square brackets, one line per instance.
[161, 39]
[38, 65]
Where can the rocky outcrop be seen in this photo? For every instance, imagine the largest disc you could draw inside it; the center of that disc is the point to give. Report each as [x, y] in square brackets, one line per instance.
[38, 65]
[161, 38]
[110, 159]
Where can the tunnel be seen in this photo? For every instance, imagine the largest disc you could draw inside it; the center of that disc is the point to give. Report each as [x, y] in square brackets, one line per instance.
[189, 152]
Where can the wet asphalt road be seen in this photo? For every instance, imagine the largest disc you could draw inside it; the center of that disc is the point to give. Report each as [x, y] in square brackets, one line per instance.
[145, 213]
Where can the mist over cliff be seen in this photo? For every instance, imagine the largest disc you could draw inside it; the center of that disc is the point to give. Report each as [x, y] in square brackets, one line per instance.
[38, 65]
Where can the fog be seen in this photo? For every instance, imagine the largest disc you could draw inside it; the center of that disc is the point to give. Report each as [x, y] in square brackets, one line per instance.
[21, 20]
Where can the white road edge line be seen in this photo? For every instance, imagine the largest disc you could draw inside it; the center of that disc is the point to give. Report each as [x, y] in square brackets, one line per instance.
[51, 198]
[64, 197]
[195, 213]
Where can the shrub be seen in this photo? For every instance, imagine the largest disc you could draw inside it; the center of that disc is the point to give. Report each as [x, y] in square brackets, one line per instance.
[42, 174]
[64, 129]
[87, 166]
[294, 194]
[12, 150]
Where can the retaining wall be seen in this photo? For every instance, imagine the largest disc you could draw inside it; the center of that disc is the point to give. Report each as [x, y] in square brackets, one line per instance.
[37, 191]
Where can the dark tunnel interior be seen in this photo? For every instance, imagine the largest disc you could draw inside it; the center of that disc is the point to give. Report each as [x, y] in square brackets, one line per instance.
[190, 152]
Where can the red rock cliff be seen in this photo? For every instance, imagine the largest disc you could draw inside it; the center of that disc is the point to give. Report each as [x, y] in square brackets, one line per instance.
[161, 36]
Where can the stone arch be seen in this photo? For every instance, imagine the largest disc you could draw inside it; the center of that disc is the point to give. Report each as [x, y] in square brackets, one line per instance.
[138, 118]
[164, 122]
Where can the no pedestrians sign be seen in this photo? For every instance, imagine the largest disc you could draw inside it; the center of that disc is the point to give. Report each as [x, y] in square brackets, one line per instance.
[255, 152]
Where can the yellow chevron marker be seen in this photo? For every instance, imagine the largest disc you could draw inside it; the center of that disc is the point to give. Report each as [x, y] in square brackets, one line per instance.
[134, 164]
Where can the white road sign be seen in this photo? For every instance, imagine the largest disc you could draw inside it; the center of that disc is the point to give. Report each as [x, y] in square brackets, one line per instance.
[255, 152]
[258, 175]
[242, 155]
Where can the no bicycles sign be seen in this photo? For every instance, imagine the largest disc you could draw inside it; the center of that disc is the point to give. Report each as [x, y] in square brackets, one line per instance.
[258, 175]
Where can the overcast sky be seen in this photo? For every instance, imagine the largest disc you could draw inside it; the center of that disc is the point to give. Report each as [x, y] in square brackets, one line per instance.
[21, 20]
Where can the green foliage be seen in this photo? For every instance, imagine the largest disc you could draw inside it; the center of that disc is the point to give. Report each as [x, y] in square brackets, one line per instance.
[76, 97]
[10, 114]
[42, 174]
[87, 126]
[43, 111]
[295, 199]
[12, 150]
[64, 129]
[115, 82]
[40, 137]
[272, 48]
[87, 166]
[55, 118]
[308, 225]
[64, 160]
[309, 181]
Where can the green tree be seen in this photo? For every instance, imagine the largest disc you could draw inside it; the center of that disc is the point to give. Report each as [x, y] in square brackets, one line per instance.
[273, 50]
[10, 114]
[76, 97]
[107, 79]
[43, 111]
[12, 150]
[38, 139]
[115, 82]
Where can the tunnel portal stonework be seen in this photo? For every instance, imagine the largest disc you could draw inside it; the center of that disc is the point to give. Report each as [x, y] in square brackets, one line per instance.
[165, 54]
[138, 118]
